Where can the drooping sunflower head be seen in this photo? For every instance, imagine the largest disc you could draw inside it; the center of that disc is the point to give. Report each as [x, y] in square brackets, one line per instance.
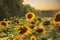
[3, 23]
[24, 31]
[30, 16]
[57, 18]
[40, 30]
[32, 38]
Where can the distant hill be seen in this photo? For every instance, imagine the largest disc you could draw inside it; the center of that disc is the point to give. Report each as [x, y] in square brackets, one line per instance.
[49, 13]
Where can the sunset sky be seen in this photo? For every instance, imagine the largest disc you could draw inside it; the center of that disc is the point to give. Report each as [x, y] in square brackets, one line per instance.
[44, 4]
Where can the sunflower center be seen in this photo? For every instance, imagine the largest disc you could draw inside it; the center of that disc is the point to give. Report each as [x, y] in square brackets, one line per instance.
[57, 18]
[29, 16]
[3, 23]
[39, 30]
[33, 39]
[23, 30]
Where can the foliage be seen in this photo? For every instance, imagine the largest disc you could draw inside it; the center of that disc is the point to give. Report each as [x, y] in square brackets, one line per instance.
[10, 8]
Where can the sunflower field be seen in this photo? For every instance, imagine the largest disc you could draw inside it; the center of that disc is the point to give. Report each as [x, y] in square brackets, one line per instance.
[30, 27]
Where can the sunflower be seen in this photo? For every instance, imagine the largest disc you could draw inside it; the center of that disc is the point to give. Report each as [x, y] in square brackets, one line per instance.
[39, 19]
[46, 23]
[16, 21]
[32, 38]
[57, 18]
[24, 30]
[3, 23]
[32, 26]
[40, 30]
[30, 16]
[17, 39]
[1, 39]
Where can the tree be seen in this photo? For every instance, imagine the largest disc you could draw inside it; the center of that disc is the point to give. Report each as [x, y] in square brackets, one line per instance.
[10, 8]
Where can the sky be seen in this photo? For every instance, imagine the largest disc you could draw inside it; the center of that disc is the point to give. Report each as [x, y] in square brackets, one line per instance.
[44, 4]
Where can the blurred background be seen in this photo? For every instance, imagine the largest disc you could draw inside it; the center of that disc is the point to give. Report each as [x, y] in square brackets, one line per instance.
[44, 8]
